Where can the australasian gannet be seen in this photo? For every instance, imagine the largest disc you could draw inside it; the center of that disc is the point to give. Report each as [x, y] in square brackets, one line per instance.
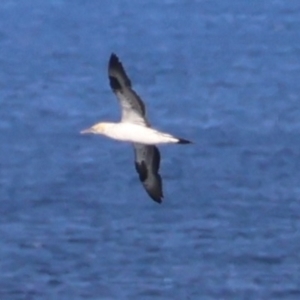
[135, 128]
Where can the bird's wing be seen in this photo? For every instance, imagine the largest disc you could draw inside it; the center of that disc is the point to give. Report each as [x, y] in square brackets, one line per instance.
[147, 161]
[133, 109]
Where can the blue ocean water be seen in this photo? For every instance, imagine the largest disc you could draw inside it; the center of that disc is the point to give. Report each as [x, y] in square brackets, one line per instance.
[75, 223]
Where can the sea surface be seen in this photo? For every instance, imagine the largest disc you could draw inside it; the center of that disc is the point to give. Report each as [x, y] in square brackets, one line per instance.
[75, 222]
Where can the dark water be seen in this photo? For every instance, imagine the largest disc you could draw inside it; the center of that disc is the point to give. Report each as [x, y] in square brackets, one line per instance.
[76, 223]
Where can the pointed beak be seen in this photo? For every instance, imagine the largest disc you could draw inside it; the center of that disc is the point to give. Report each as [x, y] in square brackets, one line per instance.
[89, 130]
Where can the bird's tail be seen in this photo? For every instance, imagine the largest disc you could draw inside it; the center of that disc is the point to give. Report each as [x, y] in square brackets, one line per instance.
[183, 141]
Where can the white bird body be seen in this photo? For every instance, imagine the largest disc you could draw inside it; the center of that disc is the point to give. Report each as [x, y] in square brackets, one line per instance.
[135, 128]
[134, 133]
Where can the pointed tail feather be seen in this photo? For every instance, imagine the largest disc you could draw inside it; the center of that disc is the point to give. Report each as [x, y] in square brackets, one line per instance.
[183, 141]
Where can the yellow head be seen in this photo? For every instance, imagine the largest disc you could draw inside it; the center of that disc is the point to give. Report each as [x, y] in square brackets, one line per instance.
[98, 128]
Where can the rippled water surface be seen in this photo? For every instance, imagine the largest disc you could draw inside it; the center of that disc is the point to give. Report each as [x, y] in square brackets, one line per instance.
[75, 222]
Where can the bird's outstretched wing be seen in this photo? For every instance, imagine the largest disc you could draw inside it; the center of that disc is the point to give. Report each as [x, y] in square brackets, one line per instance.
[147, 161]
[133, 109]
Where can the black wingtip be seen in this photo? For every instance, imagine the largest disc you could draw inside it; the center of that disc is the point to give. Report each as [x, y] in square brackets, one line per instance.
[183, 141]
[114, 60]
[114, 63]
[116, 70]
[157, 195]
[157, 200]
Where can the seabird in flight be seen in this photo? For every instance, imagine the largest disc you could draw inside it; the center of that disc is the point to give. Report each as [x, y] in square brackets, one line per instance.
[135, 128]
